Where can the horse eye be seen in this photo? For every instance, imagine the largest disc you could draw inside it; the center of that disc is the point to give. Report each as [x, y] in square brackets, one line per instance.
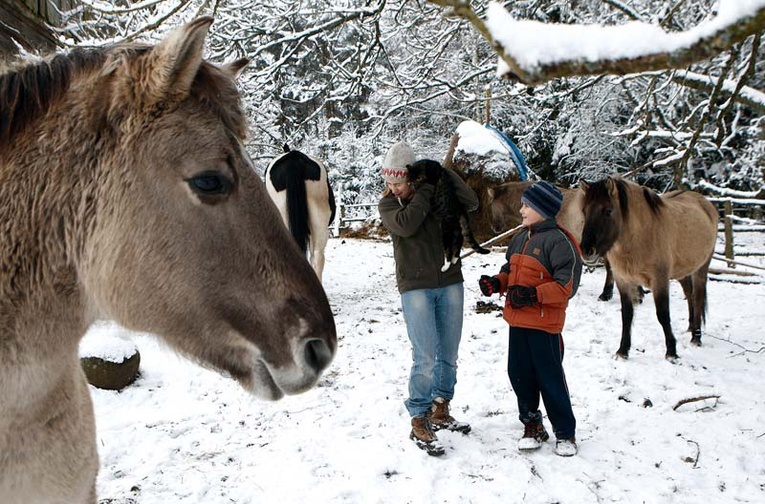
[210, 184]
[608, 212]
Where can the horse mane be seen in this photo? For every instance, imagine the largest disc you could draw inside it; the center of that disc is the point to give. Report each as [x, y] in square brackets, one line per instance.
[29, 90]
[653, 200]
[655, 203]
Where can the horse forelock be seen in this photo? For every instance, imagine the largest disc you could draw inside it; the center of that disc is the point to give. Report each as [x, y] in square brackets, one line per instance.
[622, 190]
[212, 87]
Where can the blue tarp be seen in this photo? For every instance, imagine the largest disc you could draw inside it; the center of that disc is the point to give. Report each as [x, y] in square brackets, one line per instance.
[513, 151]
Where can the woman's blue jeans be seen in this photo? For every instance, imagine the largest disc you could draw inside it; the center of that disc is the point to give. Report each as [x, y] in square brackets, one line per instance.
[434, 322]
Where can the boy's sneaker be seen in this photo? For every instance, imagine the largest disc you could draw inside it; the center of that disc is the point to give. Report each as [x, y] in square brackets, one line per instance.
[423, 436]
[566, 447]
[441, 418]
[534, 434]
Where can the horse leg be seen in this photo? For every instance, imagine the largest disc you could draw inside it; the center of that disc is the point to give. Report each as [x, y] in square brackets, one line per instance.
[687, 284]
[319, 216]
[661, 300]
[627, 296]
[699, 295]
[608, 286]
[318, 244]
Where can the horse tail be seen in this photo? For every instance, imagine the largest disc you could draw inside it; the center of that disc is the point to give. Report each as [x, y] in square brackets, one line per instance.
[467, 232]
[297, 209]
[332, 204]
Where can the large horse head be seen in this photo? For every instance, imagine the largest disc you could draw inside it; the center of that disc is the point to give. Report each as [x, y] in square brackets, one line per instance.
[145, 206]
[605, 207]
[126, 193]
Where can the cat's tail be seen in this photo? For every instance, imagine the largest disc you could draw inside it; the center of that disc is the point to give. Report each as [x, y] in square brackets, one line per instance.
[467, 232]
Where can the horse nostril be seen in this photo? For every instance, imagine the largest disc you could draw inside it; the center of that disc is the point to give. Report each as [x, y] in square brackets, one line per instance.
[317, 354]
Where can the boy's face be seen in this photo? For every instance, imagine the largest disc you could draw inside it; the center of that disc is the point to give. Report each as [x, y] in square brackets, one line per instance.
[401, 190]
[530, 216]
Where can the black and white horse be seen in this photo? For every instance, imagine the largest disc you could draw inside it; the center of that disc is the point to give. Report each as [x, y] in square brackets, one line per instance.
[299, 186]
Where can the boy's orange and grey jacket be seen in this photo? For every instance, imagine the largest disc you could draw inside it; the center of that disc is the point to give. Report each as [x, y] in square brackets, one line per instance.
[548, 258]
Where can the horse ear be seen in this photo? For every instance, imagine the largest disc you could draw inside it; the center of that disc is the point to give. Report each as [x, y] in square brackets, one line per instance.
[583, 185]
[234, 68]
[176, 60]
[610, 184]
[490, 192]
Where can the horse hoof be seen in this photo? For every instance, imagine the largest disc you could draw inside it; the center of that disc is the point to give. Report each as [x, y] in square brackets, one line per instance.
[621, 355]
[696, 341]
[673, 358]
[606, 296]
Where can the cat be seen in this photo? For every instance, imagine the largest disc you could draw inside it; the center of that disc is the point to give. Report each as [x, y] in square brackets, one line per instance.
[448, 209]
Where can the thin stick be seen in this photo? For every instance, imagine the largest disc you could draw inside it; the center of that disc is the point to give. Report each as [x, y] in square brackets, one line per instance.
[726, 271]
[495, 239]
[694, 399]
[722, 258]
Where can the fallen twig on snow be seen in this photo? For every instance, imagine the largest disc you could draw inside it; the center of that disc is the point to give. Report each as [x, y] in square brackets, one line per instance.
[694, 399]
[695, 460]
[742, 347]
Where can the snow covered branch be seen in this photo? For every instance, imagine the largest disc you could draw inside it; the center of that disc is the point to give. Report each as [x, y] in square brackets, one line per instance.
[533, 52]
[748, 96]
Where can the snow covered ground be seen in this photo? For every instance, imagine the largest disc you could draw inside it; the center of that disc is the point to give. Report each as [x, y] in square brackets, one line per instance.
[182, 434]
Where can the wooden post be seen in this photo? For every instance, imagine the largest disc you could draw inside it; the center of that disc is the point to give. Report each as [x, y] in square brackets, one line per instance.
[338, 211]
[488, 105]
[728, 233]
[449, 158]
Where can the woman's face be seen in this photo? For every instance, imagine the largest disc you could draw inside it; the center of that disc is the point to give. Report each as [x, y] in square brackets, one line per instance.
[401, 190]
[530, 216]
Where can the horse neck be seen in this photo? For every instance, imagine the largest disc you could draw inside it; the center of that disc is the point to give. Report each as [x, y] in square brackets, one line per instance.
[639, 227]
[47, 203]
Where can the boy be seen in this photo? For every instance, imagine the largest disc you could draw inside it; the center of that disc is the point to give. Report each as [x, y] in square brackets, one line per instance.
[541, 274]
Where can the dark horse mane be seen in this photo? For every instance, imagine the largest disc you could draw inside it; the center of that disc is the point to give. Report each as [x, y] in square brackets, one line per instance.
[600, 192]
[26, 93]
[29, 90]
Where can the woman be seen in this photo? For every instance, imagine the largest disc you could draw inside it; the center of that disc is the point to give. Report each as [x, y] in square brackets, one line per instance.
[432, 300]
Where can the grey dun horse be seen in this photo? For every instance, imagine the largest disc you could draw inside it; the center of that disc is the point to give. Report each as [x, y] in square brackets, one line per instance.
[126, 194]
[649, 239]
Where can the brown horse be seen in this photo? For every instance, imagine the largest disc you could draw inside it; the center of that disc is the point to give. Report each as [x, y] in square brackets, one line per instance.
[648, 240]
[126, 194]
[505, 205]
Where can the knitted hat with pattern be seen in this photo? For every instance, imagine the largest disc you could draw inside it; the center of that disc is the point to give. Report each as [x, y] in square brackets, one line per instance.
[543, 197]
[394, 168]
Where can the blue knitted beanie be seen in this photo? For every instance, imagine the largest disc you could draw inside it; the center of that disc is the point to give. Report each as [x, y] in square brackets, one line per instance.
[543, 197]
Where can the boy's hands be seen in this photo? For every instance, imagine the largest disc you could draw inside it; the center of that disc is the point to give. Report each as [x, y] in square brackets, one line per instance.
[519, 296]
[489, 285]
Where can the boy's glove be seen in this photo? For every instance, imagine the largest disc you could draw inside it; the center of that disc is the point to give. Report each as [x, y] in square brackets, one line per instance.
[433, 173]
[489, 285]
[519, 296]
